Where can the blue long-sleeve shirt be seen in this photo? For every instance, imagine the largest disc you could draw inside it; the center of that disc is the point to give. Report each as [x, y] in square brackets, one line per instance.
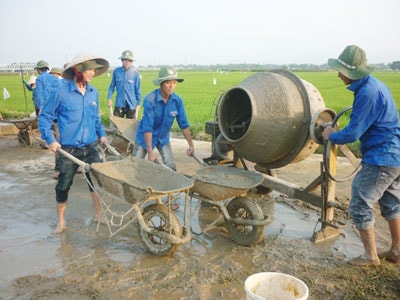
[374, 121]
[127, 85]
[46, 84]
[158, 118]
[79, 122]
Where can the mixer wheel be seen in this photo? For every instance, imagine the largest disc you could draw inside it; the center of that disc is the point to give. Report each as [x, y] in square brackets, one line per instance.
[345, 150]
[322, 118]
[245, 208]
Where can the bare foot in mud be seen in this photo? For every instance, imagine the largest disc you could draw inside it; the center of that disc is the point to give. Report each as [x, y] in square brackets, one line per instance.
[59, 229]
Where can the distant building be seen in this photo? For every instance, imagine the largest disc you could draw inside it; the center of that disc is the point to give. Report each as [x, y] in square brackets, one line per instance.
[17, 67]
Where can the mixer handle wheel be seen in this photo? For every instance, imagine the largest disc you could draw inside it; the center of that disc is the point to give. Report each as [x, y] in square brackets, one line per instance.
[345, 150]
[321, 119]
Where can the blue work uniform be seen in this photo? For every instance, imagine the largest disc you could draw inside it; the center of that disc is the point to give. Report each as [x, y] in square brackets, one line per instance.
[46, 84]
[374, 121]
[127, 85]
[158, 118]
[79, 126]
[78, 116]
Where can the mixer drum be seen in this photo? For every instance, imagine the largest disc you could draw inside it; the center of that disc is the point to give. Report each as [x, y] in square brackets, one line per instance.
[267, 118]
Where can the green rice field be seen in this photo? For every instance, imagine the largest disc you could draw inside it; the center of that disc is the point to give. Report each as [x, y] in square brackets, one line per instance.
[198, 92]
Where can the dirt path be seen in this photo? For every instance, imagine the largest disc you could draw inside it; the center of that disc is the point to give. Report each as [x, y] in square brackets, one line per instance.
[83, 264]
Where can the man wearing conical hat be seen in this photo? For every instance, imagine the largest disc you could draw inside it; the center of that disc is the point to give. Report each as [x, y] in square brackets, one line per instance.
[375, 122]
[76, 105]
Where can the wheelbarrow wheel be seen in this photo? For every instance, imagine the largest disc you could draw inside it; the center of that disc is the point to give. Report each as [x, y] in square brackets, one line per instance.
[24, 138]
[245, 208]
[159, 217]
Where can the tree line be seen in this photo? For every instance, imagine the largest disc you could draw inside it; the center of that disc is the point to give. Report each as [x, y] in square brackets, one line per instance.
[395, 65]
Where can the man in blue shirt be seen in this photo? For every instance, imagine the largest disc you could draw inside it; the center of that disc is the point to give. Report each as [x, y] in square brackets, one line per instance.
[76, 105]
[375, 122]
[46, 84]
[126, 81]
[160, 108]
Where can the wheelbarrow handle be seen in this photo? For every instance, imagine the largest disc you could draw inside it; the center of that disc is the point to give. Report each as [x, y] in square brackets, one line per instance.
[79, 162]
[113, 150]
[83, 164]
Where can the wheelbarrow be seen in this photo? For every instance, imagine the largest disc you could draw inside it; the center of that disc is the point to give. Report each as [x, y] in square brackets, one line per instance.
[121, 134]
[226, 187]
[142, 184]
[27, 130]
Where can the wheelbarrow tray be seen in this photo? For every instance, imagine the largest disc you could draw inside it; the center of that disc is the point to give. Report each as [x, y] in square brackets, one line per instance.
[26, 127]
[123, 133]
[137, 180]
[222, 182]
[22, 124]
[125, 128]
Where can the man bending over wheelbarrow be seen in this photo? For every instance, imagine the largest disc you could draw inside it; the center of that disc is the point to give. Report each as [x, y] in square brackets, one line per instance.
[160, 108]
[76, 105]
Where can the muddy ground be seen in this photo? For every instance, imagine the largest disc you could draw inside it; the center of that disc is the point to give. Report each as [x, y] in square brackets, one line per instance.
[84, 264]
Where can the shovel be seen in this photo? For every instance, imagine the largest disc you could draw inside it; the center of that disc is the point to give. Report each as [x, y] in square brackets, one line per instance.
[201, 163]
[156, 161]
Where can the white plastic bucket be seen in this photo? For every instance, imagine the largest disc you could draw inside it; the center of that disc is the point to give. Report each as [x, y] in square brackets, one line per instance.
[275, 286]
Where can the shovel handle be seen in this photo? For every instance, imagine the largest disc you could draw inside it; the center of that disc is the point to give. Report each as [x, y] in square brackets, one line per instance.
[113, 150]
[201, 163]
[156, 161]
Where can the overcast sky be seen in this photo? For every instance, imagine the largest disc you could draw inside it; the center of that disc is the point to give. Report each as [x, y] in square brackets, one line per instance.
[198, 32]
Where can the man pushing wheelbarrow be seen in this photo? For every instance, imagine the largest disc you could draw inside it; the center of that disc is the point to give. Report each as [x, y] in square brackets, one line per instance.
[76, 107]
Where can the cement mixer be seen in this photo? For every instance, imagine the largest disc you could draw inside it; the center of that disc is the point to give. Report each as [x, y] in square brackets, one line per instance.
[273, 119]
[267, 118]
